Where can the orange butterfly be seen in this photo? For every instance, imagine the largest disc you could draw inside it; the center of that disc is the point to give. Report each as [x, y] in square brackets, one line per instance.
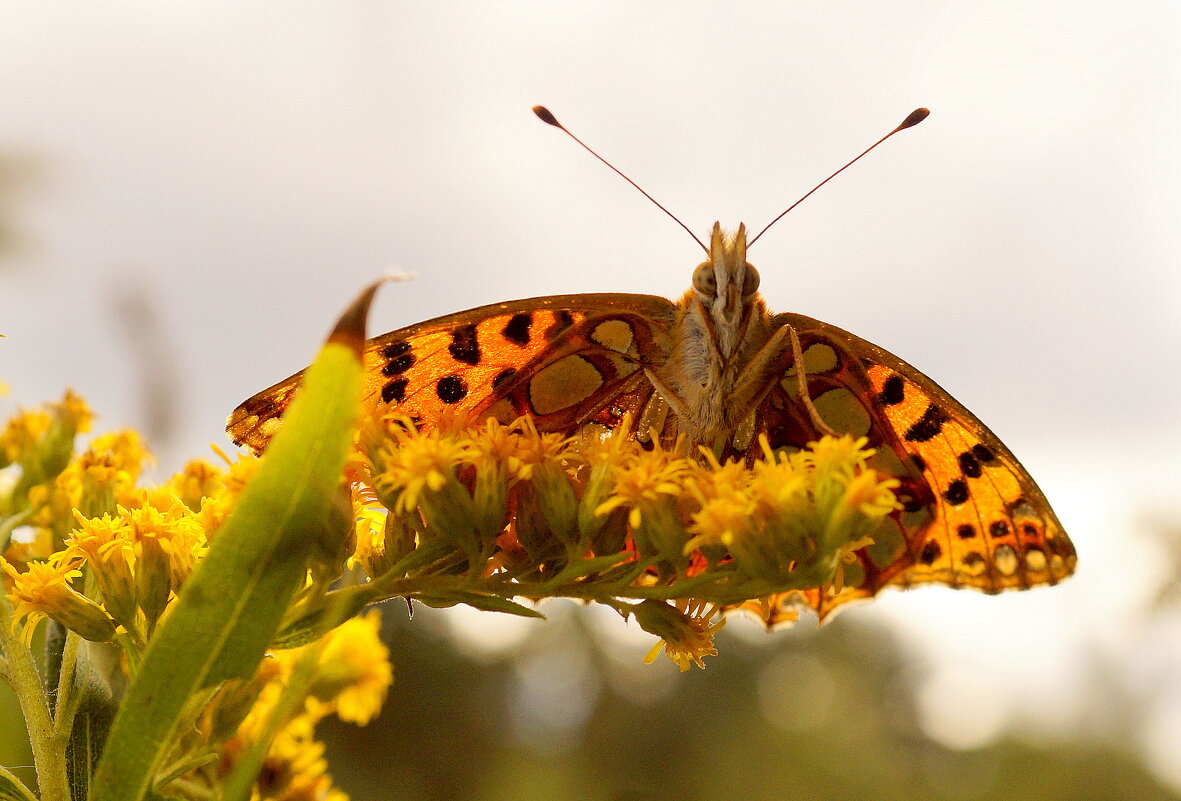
[718, 369]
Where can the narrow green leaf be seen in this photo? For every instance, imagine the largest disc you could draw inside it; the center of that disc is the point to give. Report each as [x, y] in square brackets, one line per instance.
[308, 623]
[11, 788]
[487, 603]
[231, 607]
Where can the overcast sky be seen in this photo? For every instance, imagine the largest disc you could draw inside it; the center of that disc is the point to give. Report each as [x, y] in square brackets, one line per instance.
[211, 183]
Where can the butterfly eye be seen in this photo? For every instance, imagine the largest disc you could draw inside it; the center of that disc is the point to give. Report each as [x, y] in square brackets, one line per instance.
[750, 284]
[704, 281]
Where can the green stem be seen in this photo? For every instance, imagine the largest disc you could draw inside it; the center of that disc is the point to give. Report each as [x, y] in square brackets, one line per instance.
[66, 702]
[48, 757]
[248, 765]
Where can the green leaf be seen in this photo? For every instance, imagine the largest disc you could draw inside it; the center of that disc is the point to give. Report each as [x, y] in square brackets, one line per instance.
[309, 622]
[231, 607]
[488, 603]
[11, 788]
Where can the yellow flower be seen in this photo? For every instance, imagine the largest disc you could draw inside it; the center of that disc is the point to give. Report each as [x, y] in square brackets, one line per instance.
[686, 635]
[217, 507]
[106, 545]
[354, 671]
[295, 768]
[370, 553]
[871, 494]
[44, 591]
[413, 462]
[166, 544]
[75, 411]
[643, 480]
[21, 432]
[515, 449]
[198, 480]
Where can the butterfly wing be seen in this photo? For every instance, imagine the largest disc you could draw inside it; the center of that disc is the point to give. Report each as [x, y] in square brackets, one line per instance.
[972, 516]
[567, 360]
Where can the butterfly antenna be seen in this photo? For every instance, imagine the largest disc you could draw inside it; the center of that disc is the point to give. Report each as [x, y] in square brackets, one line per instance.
[547, 116]
[914, 118]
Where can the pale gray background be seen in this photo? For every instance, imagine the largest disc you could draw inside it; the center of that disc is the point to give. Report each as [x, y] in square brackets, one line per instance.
[208, 183]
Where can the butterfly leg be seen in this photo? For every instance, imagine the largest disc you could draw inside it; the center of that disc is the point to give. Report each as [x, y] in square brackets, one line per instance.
[680, 409]
[797, 355]
[769, 361]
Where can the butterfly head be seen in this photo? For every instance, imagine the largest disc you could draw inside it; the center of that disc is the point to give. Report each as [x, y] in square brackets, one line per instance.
[726, 283]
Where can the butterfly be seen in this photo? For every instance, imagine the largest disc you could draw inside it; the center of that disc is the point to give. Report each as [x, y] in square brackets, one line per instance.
[717, 369]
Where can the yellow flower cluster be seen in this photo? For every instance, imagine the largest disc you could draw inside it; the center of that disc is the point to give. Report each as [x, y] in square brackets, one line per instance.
[606, 519]
[85, 545]
[346, 673]
[139, 554]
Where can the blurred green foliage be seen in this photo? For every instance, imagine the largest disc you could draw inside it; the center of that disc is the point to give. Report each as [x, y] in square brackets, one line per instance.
[842, 700]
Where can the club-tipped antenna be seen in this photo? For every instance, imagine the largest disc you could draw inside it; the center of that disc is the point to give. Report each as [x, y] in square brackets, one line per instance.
[914, 118]
[547, 116]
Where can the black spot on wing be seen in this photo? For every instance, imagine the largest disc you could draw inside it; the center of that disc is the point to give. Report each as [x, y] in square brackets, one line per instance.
[394, 391]
[503, 377]
[957, 492]
[930, 552]
[465, 347]
[983, 453]
[395, 349]
[969, 465]
[562, 320]
[928, 426]
[893, 391]
[451, 389]
[516, 330]
[398, 358]
[998, 528]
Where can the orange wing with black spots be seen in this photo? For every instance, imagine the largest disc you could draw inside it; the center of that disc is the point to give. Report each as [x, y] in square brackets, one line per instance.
[972, 516]
[567, 361]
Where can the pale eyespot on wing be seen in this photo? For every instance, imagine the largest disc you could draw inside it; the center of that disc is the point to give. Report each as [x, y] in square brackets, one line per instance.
[719, 370]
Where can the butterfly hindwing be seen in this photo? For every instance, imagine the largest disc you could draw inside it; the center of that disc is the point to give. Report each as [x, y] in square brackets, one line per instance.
[972, 516]
[565, 360]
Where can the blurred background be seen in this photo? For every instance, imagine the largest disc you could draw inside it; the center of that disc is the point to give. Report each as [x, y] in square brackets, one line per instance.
[190, 192]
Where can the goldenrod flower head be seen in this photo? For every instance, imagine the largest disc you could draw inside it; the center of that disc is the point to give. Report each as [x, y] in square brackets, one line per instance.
[845, 453]
[645, 478]
[124, 450]
[686, 635]
[106, 544]
[42, 439]
[44, 591]
[75, 411]
[790, 518]
[871, 493]
[354, 671]
[217, 507]
[413, 462]
[198, 480]
[163, 524]
[721, 518]
[514, 449]
[22, 432]
[295, 768]
[104, 475]
[370, 553]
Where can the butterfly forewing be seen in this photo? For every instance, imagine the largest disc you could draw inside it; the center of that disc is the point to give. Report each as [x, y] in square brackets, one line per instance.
[567, 361]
